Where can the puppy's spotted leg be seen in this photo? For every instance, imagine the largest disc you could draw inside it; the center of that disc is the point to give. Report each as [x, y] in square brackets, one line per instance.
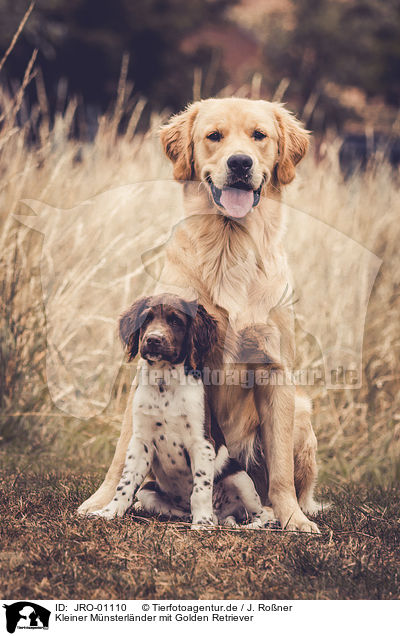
[202, 456]
[137, 465]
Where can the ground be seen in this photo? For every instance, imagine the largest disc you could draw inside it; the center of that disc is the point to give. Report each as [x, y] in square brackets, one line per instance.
[49, 552]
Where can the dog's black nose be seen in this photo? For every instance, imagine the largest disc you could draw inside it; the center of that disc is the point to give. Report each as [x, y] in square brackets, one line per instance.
[153, 341]
[240, 164]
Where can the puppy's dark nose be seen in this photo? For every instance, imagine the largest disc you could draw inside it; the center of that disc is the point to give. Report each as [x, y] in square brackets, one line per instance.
[240, 164]
[153, 341]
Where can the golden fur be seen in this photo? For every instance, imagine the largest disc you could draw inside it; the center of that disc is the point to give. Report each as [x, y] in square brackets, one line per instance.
[237, 269]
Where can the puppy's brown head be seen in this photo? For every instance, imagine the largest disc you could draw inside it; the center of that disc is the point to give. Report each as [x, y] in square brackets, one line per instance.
[237, 147]
[167, 328]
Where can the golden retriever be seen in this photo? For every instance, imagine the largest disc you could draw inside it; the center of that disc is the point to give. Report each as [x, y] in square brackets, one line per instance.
[235, 155]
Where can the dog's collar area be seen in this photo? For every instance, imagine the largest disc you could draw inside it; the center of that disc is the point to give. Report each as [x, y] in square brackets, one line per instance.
[235, 199]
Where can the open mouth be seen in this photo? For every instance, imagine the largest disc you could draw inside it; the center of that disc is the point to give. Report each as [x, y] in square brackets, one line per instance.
[237, 199]
[152, 357]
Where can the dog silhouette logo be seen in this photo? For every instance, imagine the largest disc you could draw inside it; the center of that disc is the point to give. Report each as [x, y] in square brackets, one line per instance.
[98, 256]
[26, 615]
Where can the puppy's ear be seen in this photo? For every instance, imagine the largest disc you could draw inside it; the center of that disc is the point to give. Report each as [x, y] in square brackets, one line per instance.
[177, 139]
[203, 337]
[129, 326]
[293, 143]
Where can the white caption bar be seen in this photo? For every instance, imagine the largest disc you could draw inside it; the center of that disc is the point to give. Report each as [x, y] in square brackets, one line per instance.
[128, 617]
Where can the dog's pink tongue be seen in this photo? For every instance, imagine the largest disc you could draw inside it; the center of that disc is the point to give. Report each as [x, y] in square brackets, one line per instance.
[237, 202]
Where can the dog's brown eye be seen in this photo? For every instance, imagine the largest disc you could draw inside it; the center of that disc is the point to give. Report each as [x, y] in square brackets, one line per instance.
[214, 136]
[174, 321]
[258, 135]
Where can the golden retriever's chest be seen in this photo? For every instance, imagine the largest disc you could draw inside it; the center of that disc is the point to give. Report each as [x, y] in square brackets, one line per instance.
[231, 284]
[248, 296]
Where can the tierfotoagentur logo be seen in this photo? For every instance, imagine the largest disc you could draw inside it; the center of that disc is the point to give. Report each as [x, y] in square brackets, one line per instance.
[87, 284]
[26, 615]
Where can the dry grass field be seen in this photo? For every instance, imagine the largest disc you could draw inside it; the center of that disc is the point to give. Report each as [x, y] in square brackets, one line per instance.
[47, 552]
[63, 388]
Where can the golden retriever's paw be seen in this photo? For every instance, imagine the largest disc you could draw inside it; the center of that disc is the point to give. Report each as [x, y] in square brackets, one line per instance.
[83, 510]
[310, 527]
[89, 511]
[105, 514]
[96, 502]
[312, 507]
[298, 522]
[87, 508]
[114, 509]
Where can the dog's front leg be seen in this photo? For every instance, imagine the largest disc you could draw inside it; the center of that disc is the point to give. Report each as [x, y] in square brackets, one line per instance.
[202, 456]
[275, 406]
[137, 465]
[104, 493]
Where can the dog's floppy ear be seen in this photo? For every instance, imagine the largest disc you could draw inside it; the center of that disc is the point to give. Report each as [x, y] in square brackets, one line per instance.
[176, 137]
[293, 143]
[203, 337]
[129, 326]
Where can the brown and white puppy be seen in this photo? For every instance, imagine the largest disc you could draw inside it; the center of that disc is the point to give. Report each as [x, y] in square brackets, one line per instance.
[174, 435]
[229, 252]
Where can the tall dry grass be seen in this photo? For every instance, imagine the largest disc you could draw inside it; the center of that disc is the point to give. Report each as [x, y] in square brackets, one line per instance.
[358, 430]
[117, 200]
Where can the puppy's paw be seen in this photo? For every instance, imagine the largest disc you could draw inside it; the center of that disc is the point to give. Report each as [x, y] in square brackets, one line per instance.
[203, 523]
[139, 507]
[230, 522]
[267, 519]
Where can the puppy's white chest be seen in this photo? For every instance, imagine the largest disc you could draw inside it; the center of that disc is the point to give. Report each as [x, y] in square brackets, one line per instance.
[169, 414]
[174, 401]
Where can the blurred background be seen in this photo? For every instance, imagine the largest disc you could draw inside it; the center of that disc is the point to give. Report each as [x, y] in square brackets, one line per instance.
[84, 87]
[335, 62]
